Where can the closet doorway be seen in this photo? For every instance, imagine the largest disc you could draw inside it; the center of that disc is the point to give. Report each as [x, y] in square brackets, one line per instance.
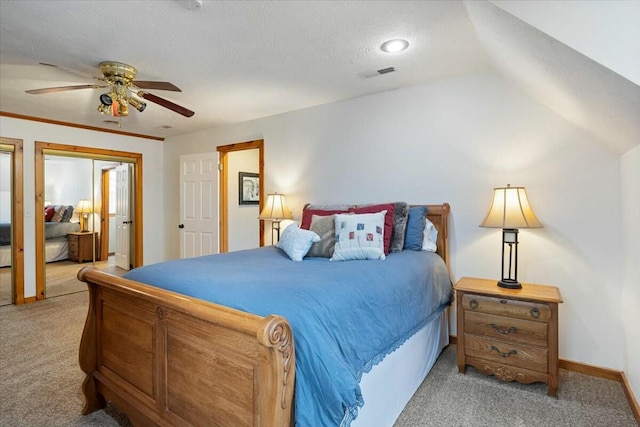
[84, 244]
[11, 222]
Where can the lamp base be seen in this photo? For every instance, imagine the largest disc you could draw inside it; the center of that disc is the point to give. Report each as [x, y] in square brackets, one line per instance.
[510, 284]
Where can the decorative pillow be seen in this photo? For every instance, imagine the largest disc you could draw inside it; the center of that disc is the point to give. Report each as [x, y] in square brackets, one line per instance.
[430, 239]
[415, 228]
[307, 214]
[296, 242]
[48, 213]
[325, 227]
[388, 220]
[359, 236]
[57, 216]
[67, 214]
[400, 217]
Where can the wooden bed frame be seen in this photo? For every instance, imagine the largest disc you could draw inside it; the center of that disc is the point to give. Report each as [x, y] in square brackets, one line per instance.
[168, 359]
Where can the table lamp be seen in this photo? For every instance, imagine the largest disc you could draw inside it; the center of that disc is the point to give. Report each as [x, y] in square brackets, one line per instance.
[510, 210]
[275, 210]
[83, 209]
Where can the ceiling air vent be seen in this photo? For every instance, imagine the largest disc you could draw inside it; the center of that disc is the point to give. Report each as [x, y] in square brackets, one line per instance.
[369, 74]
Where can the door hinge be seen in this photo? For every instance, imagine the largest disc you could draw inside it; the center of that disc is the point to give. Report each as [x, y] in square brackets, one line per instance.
[219, 166]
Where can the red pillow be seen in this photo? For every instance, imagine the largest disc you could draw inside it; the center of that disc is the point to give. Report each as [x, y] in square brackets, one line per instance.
[388, 220]
[307, 215]
[48, 213]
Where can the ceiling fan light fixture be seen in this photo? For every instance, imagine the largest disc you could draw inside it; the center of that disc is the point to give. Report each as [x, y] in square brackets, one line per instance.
[119, 79]
[137, 104]
[106, 99]
[122, 109]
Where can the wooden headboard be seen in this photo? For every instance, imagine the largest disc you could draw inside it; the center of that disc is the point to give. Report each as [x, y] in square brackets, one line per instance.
[439, 216]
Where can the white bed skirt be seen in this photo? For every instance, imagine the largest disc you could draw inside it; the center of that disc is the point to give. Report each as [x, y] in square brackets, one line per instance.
[54, 250]
[389, 386]
[5, 256]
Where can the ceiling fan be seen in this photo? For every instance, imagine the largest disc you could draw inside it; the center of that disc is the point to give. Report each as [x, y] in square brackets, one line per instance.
[124, 90]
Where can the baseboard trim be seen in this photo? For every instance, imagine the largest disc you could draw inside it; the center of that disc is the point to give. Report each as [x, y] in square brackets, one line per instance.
[630, 397]
[594, 371]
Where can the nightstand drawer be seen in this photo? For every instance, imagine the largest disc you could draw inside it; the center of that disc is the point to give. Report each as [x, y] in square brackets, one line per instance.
[506, 328]
[533, 358]
[507, 307]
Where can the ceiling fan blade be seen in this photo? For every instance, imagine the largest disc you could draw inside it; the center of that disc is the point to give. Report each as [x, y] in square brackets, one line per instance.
[165, 103]
[146, 84]
[61, 89]
[69, 70]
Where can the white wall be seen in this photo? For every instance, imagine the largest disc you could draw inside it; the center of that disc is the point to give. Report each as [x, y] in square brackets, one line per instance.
[67, 180]
[607, 31]
[630, 165]
[152, 159]
[453, 141]
[244, 226]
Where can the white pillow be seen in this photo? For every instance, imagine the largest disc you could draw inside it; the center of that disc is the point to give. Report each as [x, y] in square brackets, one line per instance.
[429, 237]
[359, 236]
[296, 242]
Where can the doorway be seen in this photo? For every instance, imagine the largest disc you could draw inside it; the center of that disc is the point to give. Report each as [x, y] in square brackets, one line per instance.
[226, 195]
[11, 220]
[91, 219]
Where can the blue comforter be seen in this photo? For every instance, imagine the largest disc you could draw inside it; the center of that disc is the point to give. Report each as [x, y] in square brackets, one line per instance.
[346, 316]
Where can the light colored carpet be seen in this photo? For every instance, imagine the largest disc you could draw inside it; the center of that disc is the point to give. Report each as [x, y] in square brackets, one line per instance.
[448, 398]
[61, 278]
[40, 383]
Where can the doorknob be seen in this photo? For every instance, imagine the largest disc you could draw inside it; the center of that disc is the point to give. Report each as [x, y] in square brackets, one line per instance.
[181, 226]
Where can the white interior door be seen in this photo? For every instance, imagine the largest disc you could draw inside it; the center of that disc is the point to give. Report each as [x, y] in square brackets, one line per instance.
[123, 218]
[198, 196]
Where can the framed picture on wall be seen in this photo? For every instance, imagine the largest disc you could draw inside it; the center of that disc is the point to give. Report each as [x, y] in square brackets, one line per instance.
[248, 188]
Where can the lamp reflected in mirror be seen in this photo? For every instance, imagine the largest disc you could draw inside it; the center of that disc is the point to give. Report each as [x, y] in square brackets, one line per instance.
[83, 209]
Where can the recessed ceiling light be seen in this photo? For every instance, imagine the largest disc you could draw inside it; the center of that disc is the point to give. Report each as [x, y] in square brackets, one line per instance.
[395, 45]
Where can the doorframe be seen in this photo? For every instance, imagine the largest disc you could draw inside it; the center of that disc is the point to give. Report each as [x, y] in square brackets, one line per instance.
[104, 214]
[224, 150]
[94, 154]
[17, 219]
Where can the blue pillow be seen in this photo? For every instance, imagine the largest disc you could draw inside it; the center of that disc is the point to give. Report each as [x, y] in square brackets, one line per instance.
[296, 242]
[415, 228]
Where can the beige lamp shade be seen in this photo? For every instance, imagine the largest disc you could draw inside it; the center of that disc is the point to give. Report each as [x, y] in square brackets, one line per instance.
[84, 207]
[510, 209]
[276, 208]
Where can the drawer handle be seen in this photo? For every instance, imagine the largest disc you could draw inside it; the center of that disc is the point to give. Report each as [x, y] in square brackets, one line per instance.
[473, 304]
[535, 313]
[504, 331]
[493, 347]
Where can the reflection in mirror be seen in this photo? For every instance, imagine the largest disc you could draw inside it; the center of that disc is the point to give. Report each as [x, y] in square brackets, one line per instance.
[6, 202]
[68, 240]
[76, 200]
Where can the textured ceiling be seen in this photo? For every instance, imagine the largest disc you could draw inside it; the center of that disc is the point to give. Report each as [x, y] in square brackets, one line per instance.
[241, 60]
[234, 61]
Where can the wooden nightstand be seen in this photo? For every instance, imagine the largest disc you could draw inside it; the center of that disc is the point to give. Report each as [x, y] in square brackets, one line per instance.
[509, 333]
[80, 246]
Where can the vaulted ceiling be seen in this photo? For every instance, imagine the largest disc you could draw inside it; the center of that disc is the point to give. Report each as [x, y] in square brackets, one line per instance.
[241, 60]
